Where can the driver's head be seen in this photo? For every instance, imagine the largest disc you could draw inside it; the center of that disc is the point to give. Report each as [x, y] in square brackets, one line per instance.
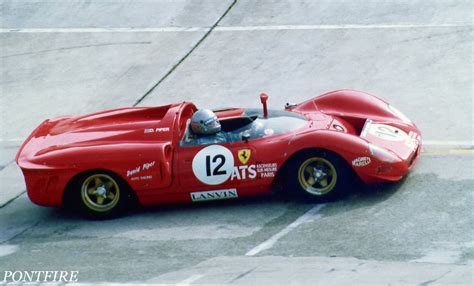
[205, 122]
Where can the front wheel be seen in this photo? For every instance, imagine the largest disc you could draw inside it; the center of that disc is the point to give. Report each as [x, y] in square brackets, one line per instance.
[318, 176]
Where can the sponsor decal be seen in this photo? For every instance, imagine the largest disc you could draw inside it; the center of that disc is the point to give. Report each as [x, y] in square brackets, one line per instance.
[138, 169]
[214, 165]
[267, 170]
[159, 129]
[133, 171]
[147, 166]
[361, 161]
[387, 132]
[244, 172]
[214, 195]
[141, 178]
[244, 155]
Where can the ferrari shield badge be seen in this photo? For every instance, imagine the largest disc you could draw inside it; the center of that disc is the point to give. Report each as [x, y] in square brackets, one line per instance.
[244, 155]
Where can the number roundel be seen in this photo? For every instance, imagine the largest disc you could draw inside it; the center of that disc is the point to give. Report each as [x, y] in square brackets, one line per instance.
[213, 165]
[387, 132]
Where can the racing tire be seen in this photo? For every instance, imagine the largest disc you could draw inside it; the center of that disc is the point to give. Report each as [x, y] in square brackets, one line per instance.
[318, 176]
[100, 195]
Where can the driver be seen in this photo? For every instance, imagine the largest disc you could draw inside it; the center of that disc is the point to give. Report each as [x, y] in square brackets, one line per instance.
[206, 127]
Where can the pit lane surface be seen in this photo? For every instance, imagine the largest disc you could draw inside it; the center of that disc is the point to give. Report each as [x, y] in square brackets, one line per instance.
[417, 56]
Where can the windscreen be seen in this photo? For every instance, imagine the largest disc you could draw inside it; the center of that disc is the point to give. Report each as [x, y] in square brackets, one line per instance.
[264, 127]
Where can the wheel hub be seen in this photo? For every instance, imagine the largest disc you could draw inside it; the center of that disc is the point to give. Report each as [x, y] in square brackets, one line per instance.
[319, 174]
[100, 191]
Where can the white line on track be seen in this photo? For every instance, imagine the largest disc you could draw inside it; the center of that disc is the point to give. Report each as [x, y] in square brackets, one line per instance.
[105, 30]
[190, 280]
[309, 215]
[337, 27]
[230, 28]
[448, 143]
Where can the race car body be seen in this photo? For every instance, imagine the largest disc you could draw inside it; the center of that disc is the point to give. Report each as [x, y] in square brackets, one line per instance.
[100, 160]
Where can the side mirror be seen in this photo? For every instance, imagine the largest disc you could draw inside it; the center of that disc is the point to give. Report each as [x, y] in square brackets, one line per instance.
[263, 100]
[246, 137]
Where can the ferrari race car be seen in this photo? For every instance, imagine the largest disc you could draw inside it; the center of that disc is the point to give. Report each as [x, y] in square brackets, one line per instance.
[101, 162]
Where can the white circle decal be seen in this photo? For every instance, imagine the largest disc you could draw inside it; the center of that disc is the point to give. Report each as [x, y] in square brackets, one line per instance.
[213, 165]
[387, 132]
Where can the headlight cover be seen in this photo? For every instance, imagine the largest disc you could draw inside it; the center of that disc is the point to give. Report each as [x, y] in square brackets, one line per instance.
[399, 114]
[383, 154]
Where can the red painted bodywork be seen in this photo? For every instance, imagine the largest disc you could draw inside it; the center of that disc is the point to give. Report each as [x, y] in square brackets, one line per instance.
[121, 140]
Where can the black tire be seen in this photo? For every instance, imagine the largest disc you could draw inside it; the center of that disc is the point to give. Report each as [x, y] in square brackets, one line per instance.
[100, 195]
[317, 176]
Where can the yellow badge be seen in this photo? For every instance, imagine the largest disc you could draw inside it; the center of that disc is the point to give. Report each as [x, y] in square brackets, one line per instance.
[244, 155]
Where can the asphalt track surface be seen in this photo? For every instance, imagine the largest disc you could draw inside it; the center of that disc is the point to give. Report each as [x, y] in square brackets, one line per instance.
[78, 57]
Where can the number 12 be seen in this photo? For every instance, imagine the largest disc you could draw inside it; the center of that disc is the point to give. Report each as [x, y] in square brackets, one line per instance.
[217, 170]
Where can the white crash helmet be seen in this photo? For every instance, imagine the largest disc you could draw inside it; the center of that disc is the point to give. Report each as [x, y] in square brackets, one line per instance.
[205, 122]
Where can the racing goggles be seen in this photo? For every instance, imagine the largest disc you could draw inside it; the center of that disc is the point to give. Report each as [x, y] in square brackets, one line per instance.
[211, 122]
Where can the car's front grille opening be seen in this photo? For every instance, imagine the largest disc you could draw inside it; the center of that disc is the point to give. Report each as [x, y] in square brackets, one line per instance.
[413, 157]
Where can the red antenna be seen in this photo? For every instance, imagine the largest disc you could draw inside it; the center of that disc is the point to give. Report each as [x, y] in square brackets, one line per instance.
[263, 100]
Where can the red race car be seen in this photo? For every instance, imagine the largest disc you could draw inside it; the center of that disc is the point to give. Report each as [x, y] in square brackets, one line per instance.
[175, 153]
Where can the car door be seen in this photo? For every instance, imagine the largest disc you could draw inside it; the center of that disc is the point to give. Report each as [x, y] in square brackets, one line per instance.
[222, 168]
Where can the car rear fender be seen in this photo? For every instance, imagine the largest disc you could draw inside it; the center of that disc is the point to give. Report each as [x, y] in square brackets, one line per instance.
[144, 166]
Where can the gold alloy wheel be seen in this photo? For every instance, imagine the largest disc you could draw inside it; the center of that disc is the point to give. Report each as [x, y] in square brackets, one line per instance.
[317, 176]
[100, 192]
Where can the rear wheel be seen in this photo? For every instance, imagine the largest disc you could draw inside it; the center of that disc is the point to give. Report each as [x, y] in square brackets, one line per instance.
[100, 195]
[318, 176]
